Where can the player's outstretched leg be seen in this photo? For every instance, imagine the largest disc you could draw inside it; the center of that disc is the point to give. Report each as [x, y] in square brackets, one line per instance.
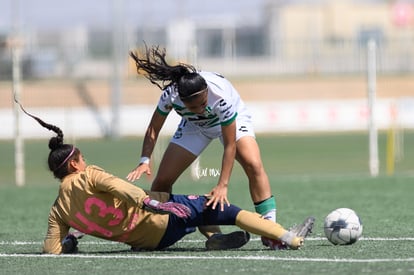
[233, 240]
[294, 239]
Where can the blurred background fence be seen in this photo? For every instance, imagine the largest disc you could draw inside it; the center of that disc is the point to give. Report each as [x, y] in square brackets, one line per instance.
[301, 66]
[273, 37]
[75, 66]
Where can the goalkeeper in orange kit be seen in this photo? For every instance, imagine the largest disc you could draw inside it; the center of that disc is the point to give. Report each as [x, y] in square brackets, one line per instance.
[97, 203]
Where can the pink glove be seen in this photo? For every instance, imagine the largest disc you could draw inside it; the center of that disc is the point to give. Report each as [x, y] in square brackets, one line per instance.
[178, 209]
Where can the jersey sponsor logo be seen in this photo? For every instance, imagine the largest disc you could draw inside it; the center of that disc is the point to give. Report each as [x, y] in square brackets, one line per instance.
[243, 129]
[178, 134]
[227, 116]
[219, 75]
[222, 103]
[226, 109]
[166, 93]
[223, 110]
[204, 122]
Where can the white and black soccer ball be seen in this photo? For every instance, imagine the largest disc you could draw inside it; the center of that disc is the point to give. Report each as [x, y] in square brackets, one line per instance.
[342, 226]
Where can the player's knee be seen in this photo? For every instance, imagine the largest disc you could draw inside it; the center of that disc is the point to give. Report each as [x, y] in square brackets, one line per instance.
[254, 168]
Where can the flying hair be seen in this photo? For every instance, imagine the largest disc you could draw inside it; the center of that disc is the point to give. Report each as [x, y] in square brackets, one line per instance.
[154, 67]
[54, 143]
[60, 153]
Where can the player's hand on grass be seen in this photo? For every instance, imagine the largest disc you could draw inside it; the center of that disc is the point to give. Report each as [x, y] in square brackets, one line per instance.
[138, 171]
[70, 242]
[178, 209]
[218, 196]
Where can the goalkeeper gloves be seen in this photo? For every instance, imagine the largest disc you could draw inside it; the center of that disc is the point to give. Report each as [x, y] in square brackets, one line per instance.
[178, 209]
[70, 242]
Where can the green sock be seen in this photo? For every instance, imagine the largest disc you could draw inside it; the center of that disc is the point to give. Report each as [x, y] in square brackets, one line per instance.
[267, 208]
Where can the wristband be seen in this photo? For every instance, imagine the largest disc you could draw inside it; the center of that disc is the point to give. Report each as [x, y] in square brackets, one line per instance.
[145, 160]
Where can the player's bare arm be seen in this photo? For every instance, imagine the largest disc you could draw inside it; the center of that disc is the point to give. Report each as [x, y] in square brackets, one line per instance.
[150, 139]
[219, 193]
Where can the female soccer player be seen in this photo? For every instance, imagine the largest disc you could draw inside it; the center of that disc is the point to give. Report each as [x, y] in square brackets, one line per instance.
[210, 108]
[97, 203]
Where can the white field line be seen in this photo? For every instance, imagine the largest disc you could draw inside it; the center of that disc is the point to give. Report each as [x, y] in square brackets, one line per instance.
[188, 257]
[2, 243]
[176, 257]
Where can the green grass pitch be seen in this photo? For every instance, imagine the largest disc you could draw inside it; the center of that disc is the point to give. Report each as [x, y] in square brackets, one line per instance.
[309, 174]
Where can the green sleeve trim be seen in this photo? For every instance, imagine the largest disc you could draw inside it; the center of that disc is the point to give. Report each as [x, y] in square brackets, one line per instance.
[161, 112]
[230, 121]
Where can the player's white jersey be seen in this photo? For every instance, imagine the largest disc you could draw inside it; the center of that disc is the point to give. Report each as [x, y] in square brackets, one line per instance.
[223, 103]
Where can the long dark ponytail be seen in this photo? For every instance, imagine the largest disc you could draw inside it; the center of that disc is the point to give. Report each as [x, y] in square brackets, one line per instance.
[153, 66]
[60, 153]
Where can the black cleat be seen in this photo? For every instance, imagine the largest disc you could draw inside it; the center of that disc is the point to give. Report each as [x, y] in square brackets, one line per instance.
[232, 240]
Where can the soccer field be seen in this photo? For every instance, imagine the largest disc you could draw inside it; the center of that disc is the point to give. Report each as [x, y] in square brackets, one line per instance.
[309, 174]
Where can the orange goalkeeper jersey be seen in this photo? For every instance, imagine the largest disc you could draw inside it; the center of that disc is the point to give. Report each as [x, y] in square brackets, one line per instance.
[102, 205]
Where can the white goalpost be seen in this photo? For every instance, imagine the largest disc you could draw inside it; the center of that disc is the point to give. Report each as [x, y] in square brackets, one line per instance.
[372, 127]
[18, 138]
[16, 45]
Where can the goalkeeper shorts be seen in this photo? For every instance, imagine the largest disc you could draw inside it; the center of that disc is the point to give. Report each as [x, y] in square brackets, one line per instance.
[201, 215]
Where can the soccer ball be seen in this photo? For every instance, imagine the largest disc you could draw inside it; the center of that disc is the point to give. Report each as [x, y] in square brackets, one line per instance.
[342, 226]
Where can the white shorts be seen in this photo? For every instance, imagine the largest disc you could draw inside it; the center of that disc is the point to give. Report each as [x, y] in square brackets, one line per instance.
[195, 139]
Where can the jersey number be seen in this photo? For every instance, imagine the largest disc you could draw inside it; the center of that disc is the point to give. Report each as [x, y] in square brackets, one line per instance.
[104, 210]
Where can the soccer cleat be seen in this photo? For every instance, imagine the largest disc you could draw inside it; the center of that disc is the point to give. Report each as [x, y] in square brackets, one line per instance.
[304, 229]
[297, 235]
[274, 244]
[301, 232]
[232, 240]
